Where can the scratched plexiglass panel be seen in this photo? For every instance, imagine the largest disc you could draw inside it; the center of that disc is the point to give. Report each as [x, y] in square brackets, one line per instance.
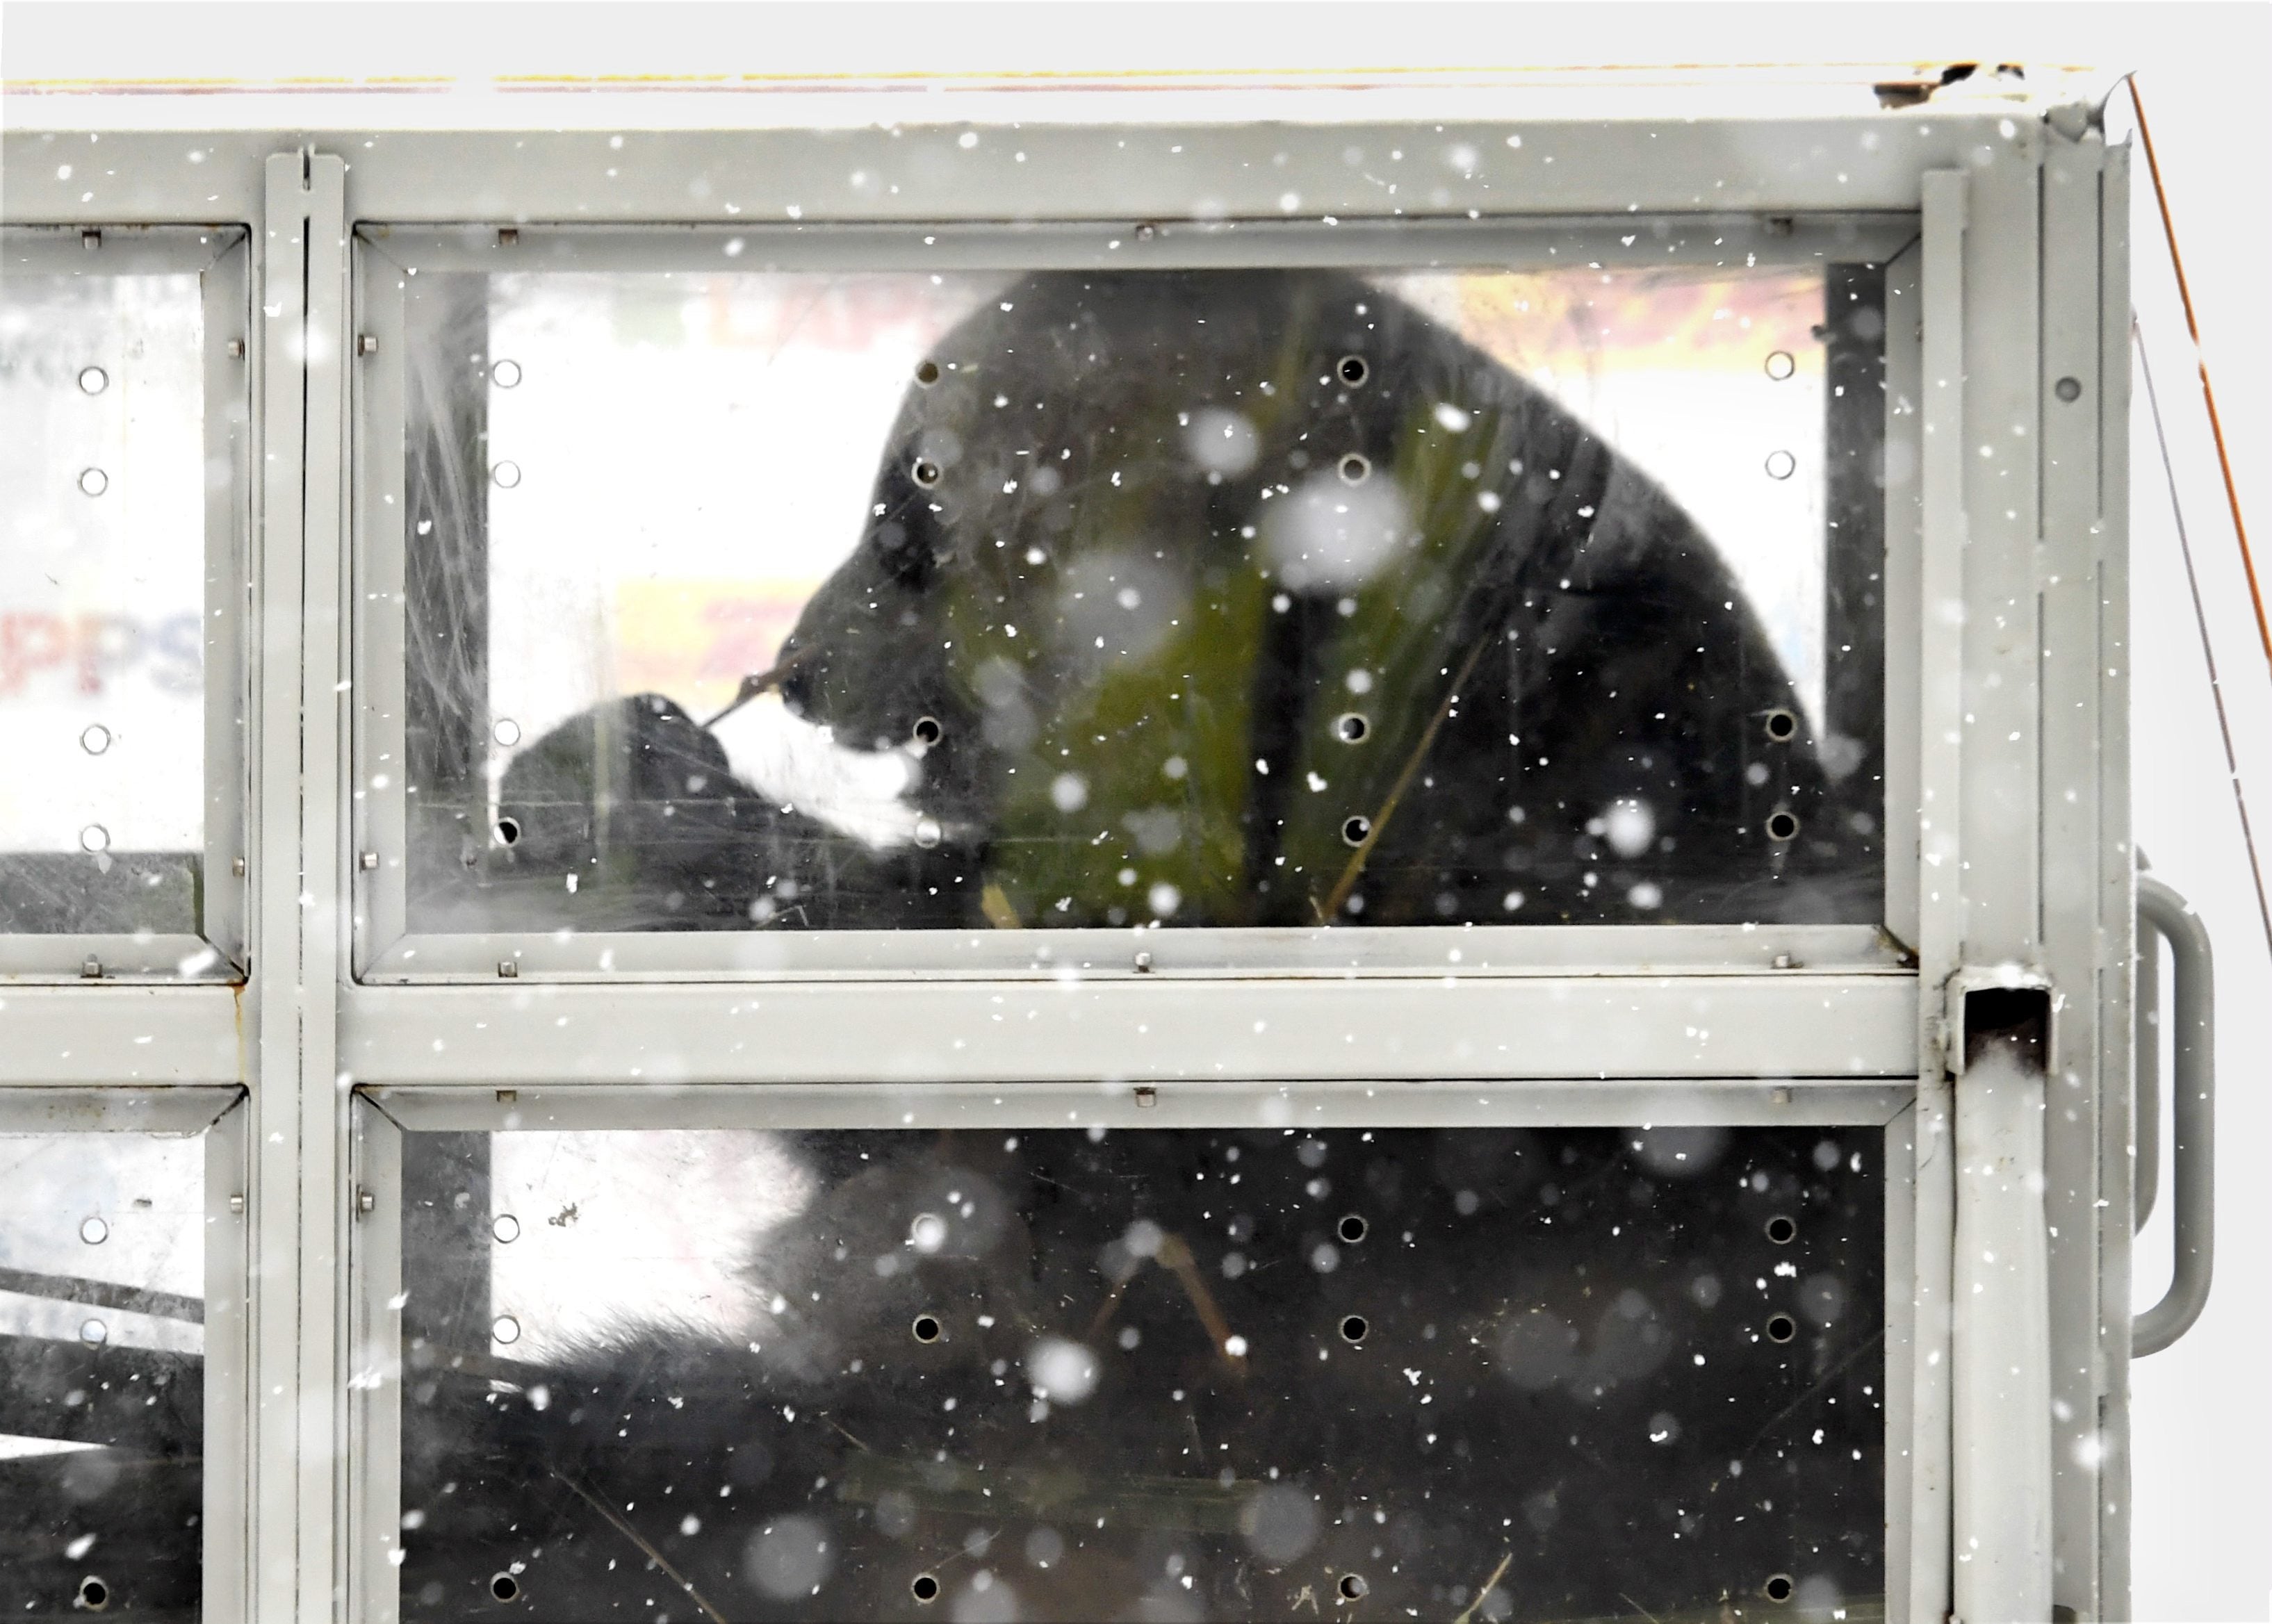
[1179, 1375]
[102, 588]
[785, 601]
[101, 1374]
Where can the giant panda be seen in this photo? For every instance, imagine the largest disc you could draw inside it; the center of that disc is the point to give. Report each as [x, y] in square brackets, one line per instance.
[1148, 1376]
[1199, 599]
[1220, 598]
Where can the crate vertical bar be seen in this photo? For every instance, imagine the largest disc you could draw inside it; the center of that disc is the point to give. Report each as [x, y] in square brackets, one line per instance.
[1939, 901]
[2069, 560]
[2115, 881]
[299, 1112]
[2000, 1324]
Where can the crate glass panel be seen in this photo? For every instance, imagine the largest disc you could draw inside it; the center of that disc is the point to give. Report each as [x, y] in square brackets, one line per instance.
[102, 591]
[101, 1374]
[789, 600]
[1493, 1373]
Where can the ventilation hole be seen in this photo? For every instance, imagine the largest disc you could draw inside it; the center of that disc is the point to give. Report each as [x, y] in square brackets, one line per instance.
[94, 481]
[95, 1232]
[505, 1330]
[1352, 1587]
[94, 380]
[506, 733]
[95, 740]
[926, 1328]
[926, 374]
[504, 1587]
[507, 831]
[1781, 725]
[926, 473]
[1780, 465]
[506, 1228]
[1353, 1329]
[93, 1594]
[1355, 830]
[507, 474]
[1355, 468]
[928, 833]
[1778, 1587]
[1781, 826]
[1352, 371]
[1781, 1231]
[1781, 1328]
[924, 1586]
[2069, 390]
[927, 730]
[94, 837]
[506, 375]
[1351, 727]
[1353, 1228]
[1779, 365]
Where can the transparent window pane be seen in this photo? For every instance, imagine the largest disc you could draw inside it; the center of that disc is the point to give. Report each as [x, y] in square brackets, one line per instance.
[1285, 597]
[1162, 1374]
[102, 573]
[101, 1374]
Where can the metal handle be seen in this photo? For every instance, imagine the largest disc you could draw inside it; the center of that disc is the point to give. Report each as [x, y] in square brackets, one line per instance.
[2146, 1086]
[2192, 1118]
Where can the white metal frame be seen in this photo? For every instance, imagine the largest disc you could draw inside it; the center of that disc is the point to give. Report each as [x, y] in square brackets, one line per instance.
[2006, 688]
[219, 257]
[388, 952]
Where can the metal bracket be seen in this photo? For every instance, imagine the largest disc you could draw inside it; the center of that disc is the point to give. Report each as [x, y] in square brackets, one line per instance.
[2192, 1118]
[2009, 996]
